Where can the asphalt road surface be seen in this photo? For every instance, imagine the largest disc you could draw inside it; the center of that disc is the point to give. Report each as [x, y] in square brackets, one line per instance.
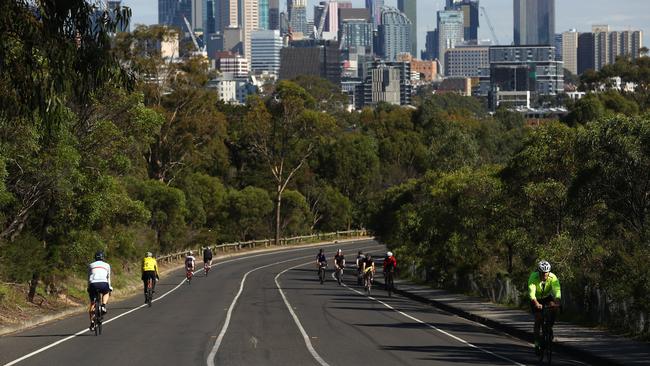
[270, 309]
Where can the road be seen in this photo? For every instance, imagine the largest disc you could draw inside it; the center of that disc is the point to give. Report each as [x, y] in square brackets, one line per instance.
[269, 309]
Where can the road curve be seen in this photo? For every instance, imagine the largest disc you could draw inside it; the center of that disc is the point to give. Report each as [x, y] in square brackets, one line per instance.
[270, 309]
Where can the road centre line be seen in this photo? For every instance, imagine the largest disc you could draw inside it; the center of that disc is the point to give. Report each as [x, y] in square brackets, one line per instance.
[435, 328]
[224, 329]
[45, 348]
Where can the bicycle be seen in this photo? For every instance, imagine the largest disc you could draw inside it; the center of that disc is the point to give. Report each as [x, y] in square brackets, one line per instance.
[206, 268]
[148, 297]
[546, 343]
[188, 275]
[339, 275]
[97, 314]
[321, 272]
[367, 277]
[388, 280]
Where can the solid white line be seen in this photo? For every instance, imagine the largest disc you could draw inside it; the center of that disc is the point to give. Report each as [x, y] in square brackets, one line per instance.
[40, 350]
[305, 336]
[436, 328]
[224, 329]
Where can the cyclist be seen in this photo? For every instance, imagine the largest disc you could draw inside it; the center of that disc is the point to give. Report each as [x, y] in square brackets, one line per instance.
[321, 259]
[368, 267]
[207, 256]
[149, 271]
[360, 259]
[390, 264]
[190, 261]
[543, 289]
[99, 279]
[339, 260]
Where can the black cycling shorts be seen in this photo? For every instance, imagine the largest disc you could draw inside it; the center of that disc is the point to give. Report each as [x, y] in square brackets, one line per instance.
[544, 301]
[98, 286]
[146, 275]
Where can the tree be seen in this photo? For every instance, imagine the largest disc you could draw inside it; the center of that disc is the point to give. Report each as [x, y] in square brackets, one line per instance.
[284, 135]
[295, 215]
[247, 212]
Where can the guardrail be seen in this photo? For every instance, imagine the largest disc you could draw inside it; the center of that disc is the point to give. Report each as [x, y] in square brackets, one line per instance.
[237, 246]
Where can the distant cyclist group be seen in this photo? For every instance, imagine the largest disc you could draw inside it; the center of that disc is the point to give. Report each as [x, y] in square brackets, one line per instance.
[543, 285]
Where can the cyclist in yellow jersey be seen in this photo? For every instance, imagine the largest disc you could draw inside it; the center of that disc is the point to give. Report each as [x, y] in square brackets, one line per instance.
[149, 270]
[543, 290]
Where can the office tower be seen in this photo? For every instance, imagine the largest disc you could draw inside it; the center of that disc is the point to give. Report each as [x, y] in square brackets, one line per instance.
[410, 9]
[450, 32]
[274, 14]
[250, 24]
[298, 17]
[570, 51]
[197, 16]
[586, 54]
[601, 46]
[355, 30]
[534, 22]
[210, 17]
[172, 12]
[233, 63]
[467, 61]
[518, 74]
[470, 10]
[263, 14]
[388, 82]
[557, 43]
[375, 10]
[265, 51]
[320, 58]
[431, 46]
[394, 33]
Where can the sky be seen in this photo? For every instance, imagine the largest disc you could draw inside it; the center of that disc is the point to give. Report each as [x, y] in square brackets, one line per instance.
[569, 14]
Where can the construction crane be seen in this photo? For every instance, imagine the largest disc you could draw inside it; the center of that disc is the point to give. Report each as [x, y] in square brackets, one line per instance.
[487, 18]
[199, 50]
[321, 24]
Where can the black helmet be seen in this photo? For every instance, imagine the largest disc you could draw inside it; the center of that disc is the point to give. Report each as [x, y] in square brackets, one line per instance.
[321, 250]
[360, 252]
[99, 256]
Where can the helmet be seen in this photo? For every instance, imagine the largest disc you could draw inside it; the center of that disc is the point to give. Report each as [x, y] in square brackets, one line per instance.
[148, 255]
[190, 253]
[99, 256]
[389, 254]
[360, 252]
[544, 266]
[339, 251]
[321, 250]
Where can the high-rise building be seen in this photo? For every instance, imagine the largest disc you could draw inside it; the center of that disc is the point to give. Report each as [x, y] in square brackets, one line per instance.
[231, 62]
[210, 16]
[265, 51]
[331, 22]
[355, 30]
[557, 43]
[410, 9]
[263, 14]
[524, 70]
[586, 54]
[388, 82]
[320, 58]
[172, 12]
[467, 61]
[431, 46]
[298, 16]
[534, 22]
[470, 17]
[601, 46]
[274, 14]
[570, 51]
[394, 33]
[375, 10]
[197, 16]
[450, 32]
[250, 24]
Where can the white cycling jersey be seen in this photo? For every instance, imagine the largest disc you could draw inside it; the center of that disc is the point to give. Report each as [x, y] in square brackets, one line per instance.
[99, 271]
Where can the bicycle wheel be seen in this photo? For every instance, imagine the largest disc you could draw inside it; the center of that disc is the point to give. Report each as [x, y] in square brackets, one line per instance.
[321, 275]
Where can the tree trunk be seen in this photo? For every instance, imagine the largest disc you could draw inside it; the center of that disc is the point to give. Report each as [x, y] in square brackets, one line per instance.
[32, 287]
[278, 204]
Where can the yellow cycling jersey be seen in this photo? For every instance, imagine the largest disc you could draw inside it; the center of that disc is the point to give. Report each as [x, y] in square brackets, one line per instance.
[149, 264]
[539, 290]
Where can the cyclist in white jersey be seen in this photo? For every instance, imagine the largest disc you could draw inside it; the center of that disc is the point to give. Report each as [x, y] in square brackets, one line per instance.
[99, 279]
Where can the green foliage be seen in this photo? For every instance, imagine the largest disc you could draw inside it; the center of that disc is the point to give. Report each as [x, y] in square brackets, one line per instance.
[295, 213]
[247, 214]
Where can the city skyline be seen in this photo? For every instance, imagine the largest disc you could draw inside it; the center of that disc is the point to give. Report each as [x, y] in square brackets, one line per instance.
[621, 15]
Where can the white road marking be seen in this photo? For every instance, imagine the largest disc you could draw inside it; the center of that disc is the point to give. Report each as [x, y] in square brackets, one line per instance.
[224, 329]
[310, 347]
[436, 328]
[40, 350]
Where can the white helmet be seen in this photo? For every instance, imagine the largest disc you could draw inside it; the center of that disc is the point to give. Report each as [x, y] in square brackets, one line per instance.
[389, 254]
[339, 251]
[544, 266]
[190, 253]
[149, 255]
